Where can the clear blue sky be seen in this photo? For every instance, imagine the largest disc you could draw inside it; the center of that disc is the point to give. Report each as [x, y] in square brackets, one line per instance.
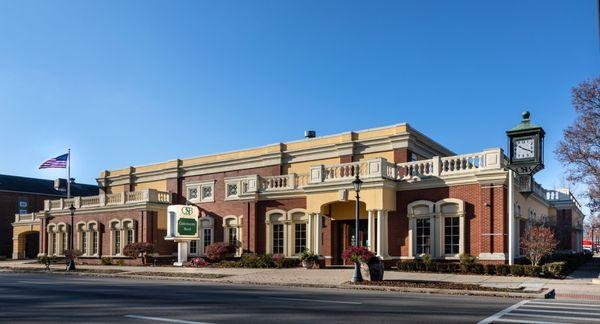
[133, 82]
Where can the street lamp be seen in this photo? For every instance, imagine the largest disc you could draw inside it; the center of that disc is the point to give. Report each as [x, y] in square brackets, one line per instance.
[70, 250]
[357, 183]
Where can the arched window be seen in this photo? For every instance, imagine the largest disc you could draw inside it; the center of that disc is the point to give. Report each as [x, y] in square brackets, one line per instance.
[275, 221]
[115, 237]
[94, 238]
[205, 236]
[51, 239]
[287, 232]
[232, 227]
[128, 232]
[299, 230]
[82, 238]
[451, 215]
[421, 229]
[62, 239]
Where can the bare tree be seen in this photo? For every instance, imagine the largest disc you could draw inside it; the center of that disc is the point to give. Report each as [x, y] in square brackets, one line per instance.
[538, 242]
[579, 150]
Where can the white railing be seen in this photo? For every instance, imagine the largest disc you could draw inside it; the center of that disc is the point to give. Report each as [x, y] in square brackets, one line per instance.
[344, 171]
[122, 198]
[26, 218]
[272, 183]
[421, 168]
[561, 195]
[462, 163]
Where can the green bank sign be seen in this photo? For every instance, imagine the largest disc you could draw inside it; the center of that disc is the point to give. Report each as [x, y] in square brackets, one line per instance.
[187, 226]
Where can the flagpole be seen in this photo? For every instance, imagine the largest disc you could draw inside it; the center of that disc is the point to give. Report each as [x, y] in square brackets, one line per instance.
[69, 174]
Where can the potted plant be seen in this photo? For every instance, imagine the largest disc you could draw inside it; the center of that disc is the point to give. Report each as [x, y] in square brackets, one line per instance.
[308, 259]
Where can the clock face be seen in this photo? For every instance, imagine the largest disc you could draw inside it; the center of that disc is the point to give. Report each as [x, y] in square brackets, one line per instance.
[523, 149]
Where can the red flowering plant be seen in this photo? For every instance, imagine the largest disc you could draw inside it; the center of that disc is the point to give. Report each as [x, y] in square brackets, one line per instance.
[279, 260]
[357, 254]
[218, 251]
[199, 262]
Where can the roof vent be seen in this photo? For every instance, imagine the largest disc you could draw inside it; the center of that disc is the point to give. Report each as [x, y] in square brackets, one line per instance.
[310, 134]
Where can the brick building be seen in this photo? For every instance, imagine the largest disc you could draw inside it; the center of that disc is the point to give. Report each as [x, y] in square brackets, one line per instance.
[19, 197]
[418, 197]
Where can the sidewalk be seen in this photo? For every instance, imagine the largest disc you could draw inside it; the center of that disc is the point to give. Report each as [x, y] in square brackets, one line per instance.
[578, 285]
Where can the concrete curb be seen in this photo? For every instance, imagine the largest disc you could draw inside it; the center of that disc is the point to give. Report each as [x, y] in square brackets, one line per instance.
[523, 295]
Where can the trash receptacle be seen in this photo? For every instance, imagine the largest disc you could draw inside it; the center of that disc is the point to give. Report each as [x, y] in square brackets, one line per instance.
[375, 268]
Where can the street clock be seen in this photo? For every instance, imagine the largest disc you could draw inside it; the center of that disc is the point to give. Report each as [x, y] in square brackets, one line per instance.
[526, 152]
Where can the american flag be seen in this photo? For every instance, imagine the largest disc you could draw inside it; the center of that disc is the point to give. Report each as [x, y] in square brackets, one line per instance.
[57, 162]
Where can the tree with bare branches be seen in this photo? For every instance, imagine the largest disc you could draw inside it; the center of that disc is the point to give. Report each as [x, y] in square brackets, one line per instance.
[579, 149]
[538, 242]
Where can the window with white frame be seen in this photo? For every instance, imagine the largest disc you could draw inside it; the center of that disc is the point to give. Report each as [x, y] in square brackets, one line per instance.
[82, 238]
[94, 238]
[200, 192]
[115, 237]
[300, 238]
[129, 232]
[51, 239]
[451, 235]
[232, 228]
[287, 232]
[423, 236]
[62, 239]
[194, 247]
[278, 239]
[451, 215]
[205, 236]
[232, 190]
[436, 229]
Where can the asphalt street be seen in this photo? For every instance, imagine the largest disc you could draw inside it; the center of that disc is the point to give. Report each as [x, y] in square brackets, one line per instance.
[55, 298]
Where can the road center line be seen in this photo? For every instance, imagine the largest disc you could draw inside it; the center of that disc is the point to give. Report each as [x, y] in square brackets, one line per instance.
[501, 313]
[163, 319]
[313, 300]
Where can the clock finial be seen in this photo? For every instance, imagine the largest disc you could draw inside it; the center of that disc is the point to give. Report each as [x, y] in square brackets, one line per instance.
[525, 115]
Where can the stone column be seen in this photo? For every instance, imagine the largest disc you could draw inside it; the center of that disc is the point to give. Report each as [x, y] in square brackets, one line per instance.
[269, 238]
[371, 230]
[309, 233]
[318, 233]
[382, 234]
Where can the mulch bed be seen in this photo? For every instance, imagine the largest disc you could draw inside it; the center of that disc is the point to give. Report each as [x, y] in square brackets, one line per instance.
[181, 275]
[436, 285]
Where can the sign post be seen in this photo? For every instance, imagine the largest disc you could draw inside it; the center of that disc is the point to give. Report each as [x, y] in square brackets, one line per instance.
[182, 227]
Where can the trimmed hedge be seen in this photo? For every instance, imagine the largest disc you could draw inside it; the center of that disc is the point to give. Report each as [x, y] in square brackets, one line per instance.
[259, 261]
[556, 266]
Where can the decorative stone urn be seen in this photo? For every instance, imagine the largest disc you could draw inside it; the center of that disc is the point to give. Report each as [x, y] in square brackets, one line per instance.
[308, 264]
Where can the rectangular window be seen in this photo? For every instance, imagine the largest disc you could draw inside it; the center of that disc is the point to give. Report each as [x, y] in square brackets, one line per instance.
[94, 243]
[207, 237]
[423, 236]
[117, 242]
[232, 233]
[52, 240]
[129, 236]
[192, 193]
[451, 235]
[83, 242]
[64, 246]
[300, 238]
[278, 239]
[193, 247]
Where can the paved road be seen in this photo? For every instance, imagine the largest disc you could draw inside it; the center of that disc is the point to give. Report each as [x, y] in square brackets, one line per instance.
[55, 298]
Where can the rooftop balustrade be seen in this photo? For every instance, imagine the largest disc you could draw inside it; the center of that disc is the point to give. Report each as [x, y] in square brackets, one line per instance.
[27, 218]
[116, 199]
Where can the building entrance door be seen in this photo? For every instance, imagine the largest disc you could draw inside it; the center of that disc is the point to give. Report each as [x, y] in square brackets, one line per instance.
[346, 236]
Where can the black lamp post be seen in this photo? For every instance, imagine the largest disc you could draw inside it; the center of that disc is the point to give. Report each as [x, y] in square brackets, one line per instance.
[357, 183]
[70, 250]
